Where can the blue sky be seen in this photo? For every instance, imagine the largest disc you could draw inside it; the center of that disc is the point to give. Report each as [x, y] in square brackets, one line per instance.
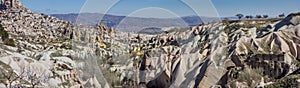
[165, 8]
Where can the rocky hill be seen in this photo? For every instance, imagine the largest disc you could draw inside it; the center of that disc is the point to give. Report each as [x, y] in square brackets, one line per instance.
[43, 51]
[38, 50]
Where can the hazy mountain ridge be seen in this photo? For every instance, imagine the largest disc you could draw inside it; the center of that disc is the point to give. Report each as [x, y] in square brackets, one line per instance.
[131, 23]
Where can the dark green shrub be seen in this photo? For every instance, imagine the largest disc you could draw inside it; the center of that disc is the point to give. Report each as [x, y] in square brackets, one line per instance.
[9, 42]
[4, 35]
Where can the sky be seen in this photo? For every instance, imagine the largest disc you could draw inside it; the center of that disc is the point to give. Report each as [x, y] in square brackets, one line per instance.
[166, 8]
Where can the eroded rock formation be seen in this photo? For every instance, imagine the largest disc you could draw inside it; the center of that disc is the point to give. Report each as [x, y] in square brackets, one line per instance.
[220, 54]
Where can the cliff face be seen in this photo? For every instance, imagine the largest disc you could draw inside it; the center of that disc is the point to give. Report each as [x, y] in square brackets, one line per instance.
[44, 51]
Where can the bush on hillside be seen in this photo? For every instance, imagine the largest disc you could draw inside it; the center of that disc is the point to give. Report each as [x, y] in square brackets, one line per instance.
[9, 42]
[4, 35]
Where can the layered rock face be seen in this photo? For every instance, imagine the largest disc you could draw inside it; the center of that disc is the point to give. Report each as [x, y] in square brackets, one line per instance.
[48, 52]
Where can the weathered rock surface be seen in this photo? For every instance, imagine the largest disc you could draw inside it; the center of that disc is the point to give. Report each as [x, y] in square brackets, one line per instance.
[56, 53]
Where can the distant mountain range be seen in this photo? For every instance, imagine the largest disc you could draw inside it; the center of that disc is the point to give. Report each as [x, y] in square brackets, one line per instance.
[132, 24]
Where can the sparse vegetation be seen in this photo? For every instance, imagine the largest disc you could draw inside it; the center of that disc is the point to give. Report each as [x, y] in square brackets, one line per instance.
[3, 33]
[7, 75]
[11, 78]
[287, 82]
[56, 54]
[66, 45]
[249, 76]
[5, 37]
[66, 84]
[258, 16]
[265, 16]
[296, 62]
[240, 16]
[249, 17]
[281, 15]
[113, 78]
[9, 42]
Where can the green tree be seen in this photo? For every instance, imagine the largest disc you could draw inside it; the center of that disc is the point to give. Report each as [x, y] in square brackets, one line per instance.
[281, 15]
[265, 16]
[248, 17]
[258, 16]
[240, 16]
[5, 37]
[251, 17]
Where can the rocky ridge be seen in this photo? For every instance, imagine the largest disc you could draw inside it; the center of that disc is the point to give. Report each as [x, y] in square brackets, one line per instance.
[49, 52]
